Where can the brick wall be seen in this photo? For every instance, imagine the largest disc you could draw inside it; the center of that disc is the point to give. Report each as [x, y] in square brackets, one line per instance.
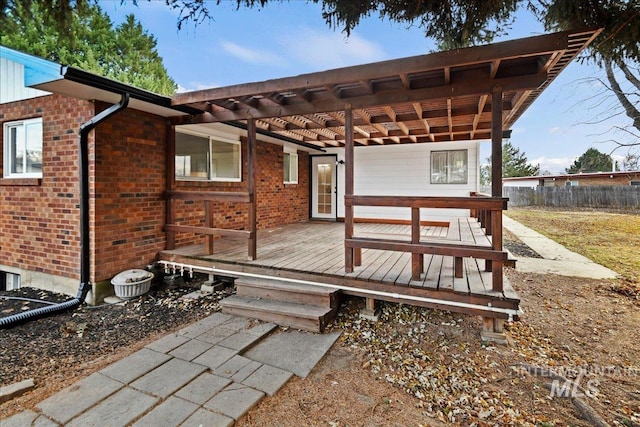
[39, 218]
[128, 176]
[599, 180]
[277, 203]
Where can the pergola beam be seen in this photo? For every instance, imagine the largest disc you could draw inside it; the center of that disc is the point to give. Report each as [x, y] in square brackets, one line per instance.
[531, 46]
[465, 88]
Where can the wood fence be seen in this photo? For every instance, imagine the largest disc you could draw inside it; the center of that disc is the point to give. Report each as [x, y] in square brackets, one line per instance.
[616, 197]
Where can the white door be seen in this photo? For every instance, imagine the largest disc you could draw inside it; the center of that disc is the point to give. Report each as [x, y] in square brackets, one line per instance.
[323, 187]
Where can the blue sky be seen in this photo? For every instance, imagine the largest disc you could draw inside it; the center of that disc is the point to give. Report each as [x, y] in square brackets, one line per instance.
[291, 38]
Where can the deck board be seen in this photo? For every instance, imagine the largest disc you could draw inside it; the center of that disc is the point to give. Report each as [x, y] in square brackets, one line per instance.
[318, 248]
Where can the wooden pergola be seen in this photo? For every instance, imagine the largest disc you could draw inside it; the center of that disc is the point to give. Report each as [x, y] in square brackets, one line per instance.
[475, 93]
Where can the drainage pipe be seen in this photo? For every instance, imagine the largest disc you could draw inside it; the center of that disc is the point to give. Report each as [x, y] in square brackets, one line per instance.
[213, 270]
[85, 251]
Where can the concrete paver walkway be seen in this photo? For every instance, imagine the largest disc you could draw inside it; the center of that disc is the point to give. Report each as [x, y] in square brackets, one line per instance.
[556, 258]
[207, 374]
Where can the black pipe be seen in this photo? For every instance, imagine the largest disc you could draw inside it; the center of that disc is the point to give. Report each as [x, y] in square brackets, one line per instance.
[85, 251]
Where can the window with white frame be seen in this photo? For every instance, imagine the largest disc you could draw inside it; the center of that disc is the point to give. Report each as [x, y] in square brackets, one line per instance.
[290, 169]
[23, 149]
[201, 157]
[449, 167]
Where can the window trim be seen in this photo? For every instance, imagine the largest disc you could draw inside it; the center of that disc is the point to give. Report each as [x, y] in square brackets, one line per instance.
[466, 178]
[292, 155]
[211, 139]
[6, 162]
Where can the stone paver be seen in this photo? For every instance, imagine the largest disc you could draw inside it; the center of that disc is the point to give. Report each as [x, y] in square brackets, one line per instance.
[168, 378]
[28, 418]
[235, 364]
[136, 365]
[119, 409]
[215, 357]
[203, 418]
[235, 400]
[168, 382]
[78, 397]
[214, 336]
[293, 351]
[268, 379]
[239, 341]
[168, 343]
[190, 350]
[206, 324]
[170, 413]
[203, 388]
[262, 329]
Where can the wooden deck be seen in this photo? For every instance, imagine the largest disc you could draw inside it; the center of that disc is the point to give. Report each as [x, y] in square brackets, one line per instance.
[315, 251]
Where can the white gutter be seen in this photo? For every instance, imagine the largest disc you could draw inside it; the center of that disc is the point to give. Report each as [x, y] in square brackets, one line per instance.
[173, 266]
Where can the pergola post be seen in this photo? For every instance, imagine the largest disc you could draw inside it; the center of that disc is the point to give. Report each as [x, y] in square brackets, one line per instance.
[496, 142]
[252, 174]
[496, 184]
[350, 253]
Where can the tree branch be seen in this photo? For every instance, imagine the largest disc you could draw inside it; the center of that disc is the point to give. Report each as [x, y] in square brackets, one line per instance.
[632, 112]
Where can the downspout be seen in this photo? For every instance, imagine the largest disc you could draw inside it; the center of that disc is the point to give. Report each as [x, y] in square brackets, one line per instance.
[85, 250]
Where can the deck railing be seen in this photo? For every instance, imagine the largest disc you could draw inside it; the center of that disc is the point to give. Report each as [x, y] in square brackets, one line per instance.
[490, 207]
[209, 198]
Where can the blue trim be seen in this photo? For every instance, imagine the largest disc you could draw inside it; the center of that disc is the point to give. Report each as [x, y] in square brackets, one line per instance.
[36, 70]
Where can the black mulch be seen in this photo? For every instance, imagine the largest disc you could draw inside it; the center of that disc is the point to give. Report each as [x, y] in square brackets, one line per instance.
[45, 347]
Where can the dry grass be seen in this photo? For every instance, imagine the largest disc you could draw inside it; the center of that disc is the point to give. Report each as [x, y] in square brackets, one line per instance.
[610, 239]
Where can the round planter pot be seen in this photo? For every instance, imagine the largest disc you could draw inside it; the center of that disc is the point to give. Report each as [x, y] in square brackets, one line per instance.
[132, 283]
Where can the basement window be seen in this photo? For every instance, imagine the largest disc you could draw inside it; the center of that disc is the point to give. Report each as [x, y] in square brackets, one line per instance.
[9, 281]
[290, 168]
[23, 149]
[201, 157]
[449, 167]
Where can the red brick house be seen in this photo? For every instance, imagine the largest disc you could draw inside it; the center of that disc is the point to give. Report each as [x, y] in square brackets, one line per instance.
[394, 144]
[39, 191]
[576, 179]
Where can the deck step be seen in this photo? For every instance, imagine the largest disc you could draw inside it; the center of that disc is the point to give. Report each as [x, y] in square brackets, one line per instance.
[300, 316]
[286, 291]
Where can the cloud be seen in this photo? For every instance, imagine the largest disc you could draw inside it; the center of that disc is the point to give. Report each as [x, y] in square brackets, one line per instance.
[191, 86]
[326, 50]
[251, 56]
[553, 164]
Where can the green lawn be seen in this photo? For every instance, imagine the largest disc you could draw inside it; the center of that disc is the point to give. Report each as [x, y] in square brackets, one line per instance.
[610, 239]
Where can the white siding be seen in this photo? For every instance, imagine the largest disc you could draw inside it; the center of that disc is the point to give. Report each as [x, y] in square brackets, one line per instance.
[12, 83]
[529, 183]
[404, 170]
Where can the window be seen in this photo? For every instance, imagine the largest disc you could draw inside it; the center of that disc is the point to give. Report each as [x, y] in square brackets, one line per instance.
[449, 167]
[290, 168]
[570, 183]
[23, 149]
[9, 281]
[202, 157]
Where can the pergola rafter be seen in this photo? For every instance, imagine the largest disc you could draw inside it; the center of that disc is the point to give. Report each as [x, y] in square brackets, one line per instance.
[443, 96]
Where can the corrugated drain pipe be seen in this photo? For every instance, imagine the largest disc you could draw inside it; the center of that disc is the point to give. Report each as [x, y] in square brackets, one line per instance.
[85, 252]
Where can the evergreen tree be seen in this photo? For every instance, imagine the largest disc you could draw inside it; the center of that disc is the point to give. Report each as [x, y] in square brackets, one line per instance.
[514, 163]
[126, 53]
[591, 160]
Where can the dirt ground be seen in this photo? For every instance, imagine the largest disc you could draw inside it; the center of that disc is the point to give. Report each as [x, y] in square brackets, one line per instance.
[415, 367]
[570, 325]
